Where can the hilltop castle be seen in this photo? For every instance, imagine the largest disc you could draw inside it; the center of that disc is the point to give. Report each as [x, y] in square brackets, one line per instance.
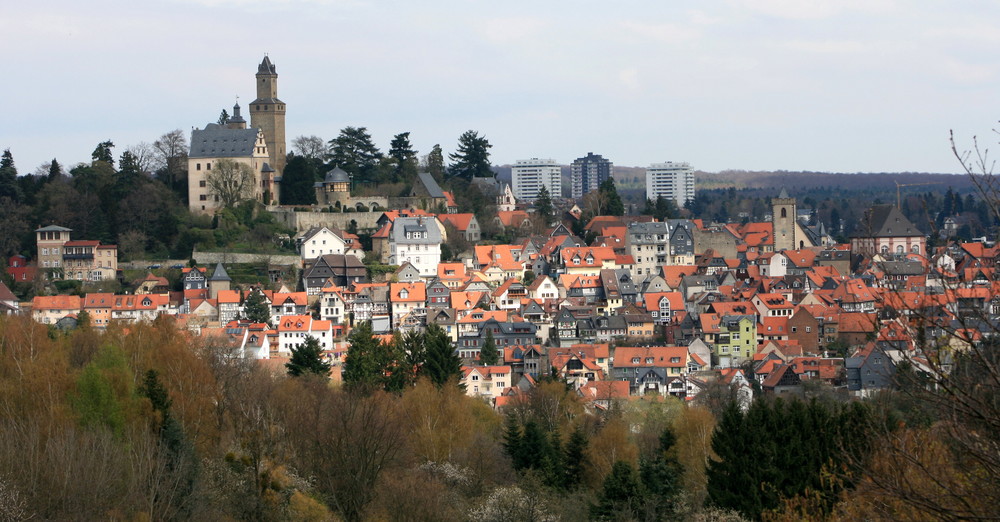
[261, 147]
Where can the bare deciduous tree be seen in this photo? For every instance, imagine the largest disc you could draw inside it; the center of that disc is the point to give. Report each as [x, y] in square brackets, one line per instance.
[231, 182]
[146, 156]
[171, 151]
[309, 146]
[344, 441]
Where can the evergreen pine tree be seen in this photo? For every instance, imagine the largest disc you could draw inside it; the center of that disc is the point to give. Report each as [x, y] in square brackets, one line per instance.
[153, 390]
[103, 153]
[472, 159]
[8, 177]
[575, 459]
[297, 182]
[512, 442]
[354, 151]
[543, 205]
[366, 362]
[621, 494]
[554, 464]
[614, 205]
[661, 474]
[488, 355]
[534, 447]
[307, 358]
[442, 363]
[434, 163]
[403, 157]
[399, 373]
[55, 170]
[256, 309]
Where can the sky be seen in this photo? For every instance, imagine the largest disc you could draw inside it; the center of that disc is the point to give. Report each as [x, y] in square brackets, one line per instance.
[832, 86]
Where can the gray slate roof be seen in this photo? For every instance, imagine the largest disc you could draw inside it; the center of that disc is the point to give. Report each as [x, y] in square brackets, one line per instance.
[266, 66]
[403, 225]
[219, 274]
[337, 175]
[888, 221]
[433, 189]
[216, 141]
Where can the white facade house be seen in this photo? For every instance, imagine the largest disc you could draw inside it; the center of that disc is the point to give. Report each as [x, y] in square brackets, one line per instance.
[293, 330]
[529, 176]
[671, 180]
[321, 241]
[416, 240]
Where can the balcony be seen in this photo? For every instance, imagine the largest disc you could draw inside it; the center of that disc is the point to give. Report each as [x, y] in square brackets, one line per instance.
[87, 256]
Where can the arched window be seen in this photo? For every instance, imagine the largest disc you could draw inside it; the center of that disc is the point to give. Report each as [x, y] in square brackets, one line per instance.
[915, 249]
[899, 249]
[885, 249]
[784, 212]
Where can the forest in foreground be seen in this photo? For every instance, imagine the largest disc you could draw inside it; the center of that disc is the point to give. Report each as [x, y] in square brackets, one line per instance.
[146, 422]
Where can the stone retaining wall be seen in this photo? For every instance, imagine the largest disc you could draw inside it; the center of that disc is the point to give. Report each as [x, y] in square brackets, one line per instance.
[211, 258]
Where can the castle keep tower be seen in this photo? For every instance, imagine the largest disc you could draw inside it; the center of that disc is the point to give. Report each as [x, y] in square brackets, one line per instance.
[267, 113]
[784, 221]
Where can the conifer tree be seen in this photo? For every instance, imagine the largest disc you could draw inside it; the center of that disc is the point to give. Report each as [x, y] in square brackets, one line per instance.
[661, 474]
[354, 152]
[442, 363]
[534, 447]
[307, 358]
[575, 459]
[512, 442]
[256, 309]
[103, 153]
[297, 182]
[403, 157]
[434, 163]
[472, 159]
[488, 355]
[8, 177]
[366, 361]
[613, 205]
[55, 170]
[399, 373]
[621, 494]
[543, 205]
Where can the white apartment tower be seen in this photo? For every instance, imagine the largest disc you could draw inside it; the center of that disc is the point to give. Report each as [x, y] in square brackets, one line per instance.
[672, 181]
[587, 174]
[529, 176]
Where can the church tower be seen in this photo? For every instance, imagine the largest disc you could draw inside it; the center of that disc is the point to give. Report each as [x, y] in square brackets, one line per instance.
[784, 222]
[267, 113]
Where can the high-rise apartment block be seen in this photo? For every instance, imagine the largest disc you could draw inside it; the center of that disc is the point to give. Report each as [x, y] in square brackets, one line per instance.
[671, 180]
[529, 176]
[587, 174]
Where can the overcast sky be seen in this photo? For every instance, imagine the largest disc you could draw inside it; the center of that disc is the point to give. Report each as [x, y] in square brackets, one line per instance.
[839, 86]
